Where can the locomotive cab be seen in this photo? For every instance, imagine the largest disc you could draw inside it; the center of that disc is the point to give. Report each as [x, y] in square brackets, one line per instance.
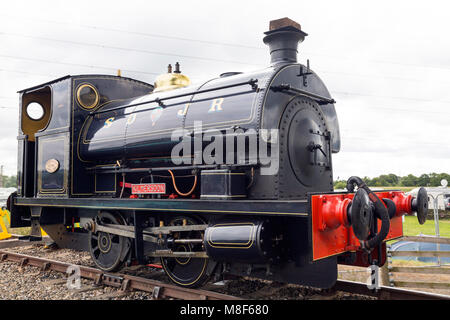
[50, 115]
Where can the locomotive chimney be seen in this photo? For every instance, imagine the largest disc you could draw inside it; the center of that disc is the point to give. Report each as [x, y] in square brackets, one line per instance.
[283, 38]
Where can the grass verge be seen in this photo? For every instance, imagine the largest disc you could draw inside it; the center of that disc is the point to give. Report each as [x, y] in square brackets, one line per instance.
[411, 227]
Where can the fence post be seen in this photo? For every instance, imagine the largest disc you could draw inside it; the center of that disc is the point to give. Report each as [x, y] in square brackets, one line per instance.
[384, 270]
[436, 224]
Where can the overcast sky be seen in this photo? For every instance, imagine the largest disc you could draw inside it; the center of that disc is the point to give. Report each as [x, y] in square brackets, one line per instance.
[386, 63]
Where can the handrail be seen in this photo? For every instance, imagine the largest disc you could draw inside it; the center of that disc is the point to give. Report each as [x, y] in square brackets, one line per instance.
[287, 87]
[252, 82]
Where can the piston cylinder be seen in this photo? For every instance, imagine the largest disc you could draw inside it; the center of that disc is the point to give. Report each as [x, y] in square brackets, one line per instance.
[246, 241]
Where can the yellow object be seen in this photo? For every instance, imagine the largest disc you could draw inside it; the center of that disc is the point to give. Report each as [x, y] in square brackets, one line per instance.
[171, 80]
[4, 234]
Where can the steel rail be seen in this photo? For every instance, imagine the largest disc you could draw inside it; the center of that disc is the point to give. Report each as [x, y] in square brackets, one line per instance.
[386, 293]
[124, 282]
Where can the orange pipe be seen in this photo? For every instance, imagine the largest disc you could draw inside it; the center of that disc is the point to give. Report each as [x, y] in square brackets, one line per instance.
[178, 191]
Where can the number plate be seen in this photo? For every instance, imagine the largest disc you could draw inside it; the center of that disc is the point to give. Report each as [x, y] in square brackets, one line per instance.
[148, 188]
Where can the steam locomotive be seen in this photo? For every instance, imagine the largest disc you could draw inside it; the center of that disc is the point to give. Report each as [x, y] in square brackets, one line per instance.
[232, 176]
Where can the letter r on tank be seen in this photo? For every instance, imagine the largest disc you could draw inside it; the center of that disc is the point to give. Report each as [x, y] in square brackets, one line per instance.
[216, 105]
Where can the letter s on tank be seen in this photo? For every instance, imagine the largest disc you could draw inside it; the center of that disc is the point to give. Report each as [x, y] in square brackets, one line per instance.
[109, 122]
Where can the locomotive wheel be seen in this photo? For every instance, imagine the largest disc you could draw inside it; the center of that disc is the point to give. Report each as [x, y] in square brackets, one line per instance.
[108, 251]
[186, 272]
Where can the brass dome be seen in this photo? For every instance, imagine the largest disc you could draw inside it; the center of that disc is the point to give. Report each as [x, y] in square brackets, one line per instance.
[171, 80]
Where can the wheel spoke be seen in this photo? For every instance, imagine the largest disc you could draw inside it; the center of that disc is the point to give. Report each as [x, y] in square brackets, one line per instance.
[103, 259]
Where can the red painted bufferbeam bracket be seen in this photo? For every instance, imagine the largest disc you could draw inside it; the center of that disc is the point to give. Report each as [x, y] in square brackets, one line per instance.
[331, 231]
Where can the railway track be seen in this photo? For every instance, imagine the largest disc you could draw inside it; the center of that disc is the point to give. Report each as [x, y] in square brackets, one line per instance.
[159, 290]
[386, 293]
[126, 283]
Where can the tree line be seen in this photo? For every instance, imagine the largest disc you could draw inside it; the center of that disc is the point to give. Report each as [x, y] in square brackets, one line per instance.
[9, 182]
[392, 180]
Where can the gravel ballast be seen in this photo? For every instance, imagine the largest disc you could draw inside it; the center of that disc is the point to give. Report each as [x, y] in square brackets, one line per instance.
[30, 283]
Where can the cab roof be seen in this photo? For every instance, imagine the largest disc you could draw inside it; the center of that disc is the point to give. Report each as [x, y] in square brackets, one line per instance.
[76, 76]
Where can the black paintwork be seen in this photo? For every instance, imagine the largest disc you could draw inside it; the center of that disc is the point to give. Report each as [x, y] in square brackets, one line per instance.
[297, 208]
[247, 241]
[223, 184]
[59, 138]
[321, 274]
[132, 127]
[140, 133]
[112, 90]
[149, 135]
[53, 146]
